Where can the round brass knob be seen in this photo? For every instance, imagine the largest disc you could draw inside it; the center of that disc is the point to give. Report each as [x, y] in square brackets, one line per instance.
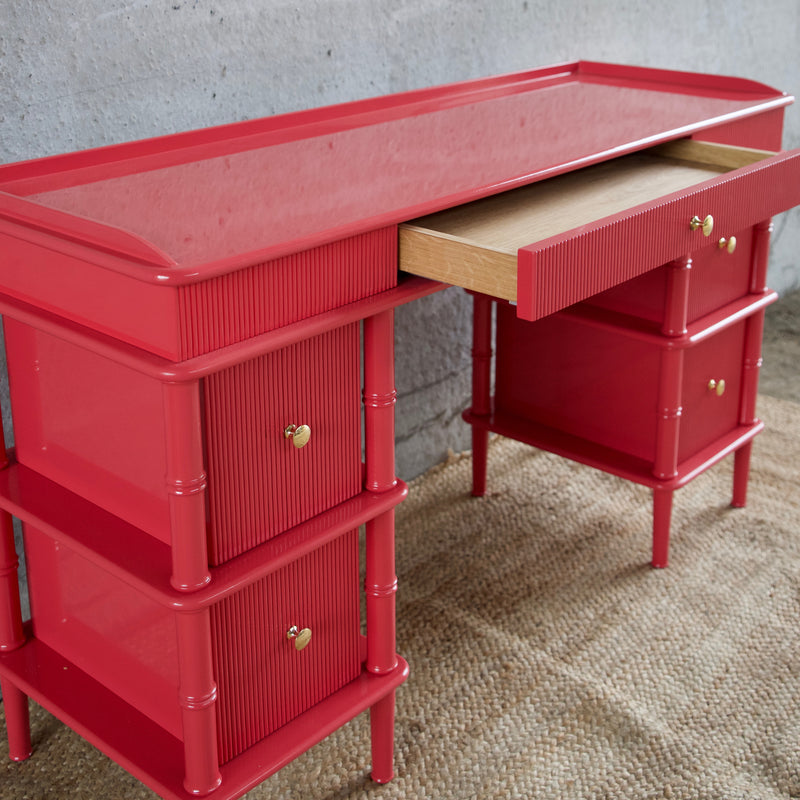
[706, 224]
[302, 638]
[727, 244]
[717, 386]
[299, 434]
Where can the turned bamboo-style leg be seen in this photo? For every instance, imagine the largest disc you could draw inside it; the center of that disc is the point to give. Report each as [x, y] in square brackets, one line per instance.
[381, 721]
[481, 387]
[18, 725]
[741, 475]
[665, 464]
[662, 519]
[186, 483]
[15, 702]
[670, 391]
[12, 636]
[380, 584]
[751, 367]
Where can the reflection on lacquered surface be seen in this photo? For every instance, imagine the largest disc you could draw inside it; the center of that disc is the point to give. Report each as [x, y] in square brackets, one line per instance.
[288, 194]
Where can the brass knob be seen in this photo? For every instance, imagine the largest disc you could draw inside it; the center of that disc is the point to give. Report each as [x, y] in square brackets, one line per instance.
[301, 637]
[299, 434]
[727, 244]
[717, 386]
[706, 224]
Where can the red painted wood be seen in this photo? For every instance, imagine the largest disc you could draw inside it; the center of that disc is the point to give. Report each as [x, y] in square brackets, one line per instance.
[132, 556]
[259, 483]
[150, 269]
[12, 636]
[197, 698]
[741, 475]
[610, 460]
[676, 297]
[186, 485]
[761, 132]
[381, 719]
[312, 177]
[189, 320]
[71, 283]
[706, 415]
[98, 235]
[239, 305]
[570, 267]
[154, 756]
[662, 516]
[380, 397]
[162, 369]
[669, 411]
[607, 384]
[760, 256]
[481, 386]
[380, 582]
[102, 624]
[264, 682]
[18, 726]
[751, 366]
[94, 426]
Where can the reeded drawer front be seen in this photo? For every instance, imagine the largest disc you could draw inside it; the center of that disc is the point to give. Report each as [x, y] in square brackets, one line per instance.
[263, 679]
[264, 476]
[562, 240]
[603, 386]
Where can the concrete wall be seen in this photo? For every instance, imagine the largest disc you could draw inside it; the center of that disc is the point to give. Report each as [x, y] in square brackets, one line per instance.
[78, 75]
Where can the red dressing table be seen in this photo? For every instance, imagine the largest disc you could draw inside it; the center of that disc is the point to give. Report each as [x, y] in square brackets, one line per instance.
[185, 319]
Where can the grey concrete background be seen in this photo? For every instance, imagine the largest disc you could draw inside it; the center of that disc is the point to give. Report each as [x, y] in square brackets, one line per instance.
[78, 75]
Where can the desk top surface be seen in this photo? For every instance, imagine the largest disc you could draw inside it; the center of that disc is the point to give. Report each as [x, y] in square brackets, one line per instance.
[203, 202]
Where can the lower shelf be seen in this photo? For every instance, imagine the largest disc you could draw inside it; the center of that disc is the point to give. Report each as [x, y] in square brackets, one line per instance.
[607, 459]
[153, 755]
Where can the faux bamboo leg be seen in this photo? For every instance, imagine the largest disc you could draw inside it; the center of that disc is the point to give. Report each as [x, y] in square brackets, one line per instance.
[186, 483]
[18, 727]
[662, 517]
[481, 387]
[665, 464]
[741, 475]
[381, 719]
[752, 362]
[380, 582]
[747, 409]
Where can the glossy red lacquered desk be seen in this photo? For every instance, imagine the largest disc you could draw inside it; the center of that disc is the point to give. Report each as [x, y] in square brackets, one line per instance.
[182, 321]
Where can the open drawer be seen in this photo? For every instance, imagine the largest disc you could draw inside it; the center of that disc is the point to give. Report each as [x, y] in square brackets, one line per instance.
[553, 243]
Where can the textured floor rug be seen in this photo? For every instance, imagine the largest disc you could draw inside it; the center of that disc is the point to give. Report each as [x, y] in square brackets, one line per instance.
[548, 660]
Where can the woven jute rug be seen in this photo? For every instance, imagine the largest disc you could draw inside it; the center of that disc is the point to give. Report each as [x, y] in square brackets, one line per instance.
[548, 660]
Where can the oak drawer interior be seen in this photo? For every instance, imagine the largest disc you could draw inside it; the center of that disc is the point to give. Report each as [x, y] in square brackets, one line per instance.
[475, 245]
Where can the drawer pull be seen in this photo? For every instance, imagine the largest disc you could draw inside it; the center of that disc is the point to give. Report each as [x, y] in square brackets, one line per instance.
[299, 434]
[728, 244]
[706, 224]
[717, 386]
[301, 637]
